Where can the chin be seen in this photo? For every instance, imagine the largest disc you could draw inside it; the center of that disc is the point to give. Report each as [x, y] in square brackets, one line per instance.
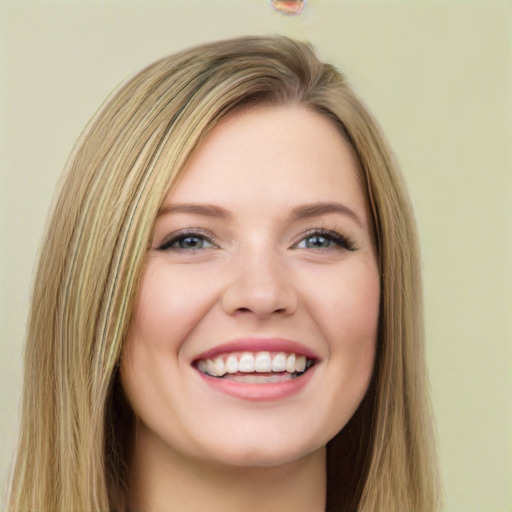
[263, 450]
[261, 457]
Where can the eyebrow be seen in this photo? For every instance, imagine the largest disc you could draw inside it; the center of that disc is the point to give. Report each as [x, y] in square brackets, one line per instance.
[320, 208]
[298, 213]
[208, 210]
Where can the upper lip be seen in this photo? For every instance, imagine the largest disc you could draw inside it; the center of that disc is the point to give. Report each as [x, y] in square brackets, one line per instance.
[259, 345]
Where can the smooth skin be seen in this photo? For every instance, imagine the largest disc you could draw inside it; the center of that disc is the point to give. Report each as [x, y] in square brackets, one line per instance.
[266, 235]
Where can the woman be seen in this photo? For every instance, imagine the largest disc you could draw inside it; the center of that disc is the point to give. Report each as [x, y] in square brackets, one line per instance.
[227, 312]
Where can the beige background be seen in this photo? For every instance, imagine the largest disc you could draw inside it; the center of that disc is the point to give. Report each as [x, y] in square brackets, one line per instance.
[438, 77]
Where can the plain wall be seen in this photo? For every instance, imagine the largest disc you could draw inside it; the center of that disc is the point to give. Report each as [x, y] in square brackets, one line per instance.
[437, 75]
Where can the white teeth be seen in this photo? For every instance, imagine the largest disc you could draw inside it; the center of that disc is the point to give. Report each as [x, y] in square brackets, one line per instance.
[210, 367]
[246, 363]
[290, 363]
[300, 364]
[263, 362]
[231, 364]
[220, 369]
[279, 362]
[260, 362]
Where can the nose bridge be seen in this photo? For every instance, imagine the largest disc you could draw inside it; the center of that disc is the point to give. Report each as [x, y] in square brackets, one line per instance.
[261, 283]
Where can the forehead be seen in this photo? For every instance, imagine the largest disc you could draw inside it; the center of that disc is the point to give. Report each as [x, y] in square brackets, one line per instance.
[270, 154]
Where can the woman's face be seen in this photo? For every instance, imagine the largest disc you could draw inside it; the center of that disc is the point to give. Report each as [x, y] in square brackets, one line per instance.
[262, 266]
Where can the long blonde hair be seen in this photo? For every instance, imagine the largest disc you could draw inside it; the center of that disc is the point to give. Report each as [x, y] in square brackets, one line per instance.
[75, 435]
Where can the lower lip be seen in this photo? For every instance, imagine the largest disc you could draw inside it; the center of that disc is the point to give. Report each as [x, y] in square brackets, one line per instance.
[259, 392]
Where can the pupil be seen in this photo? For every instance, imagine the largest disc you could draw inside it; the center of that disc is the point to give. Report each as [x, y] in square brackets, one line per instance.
[190, 242]
[318, 241]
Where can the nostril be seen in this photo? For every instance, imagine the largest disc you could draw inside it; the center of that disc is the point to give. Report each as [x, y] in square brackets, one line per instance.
[261, 297]
[249, 310]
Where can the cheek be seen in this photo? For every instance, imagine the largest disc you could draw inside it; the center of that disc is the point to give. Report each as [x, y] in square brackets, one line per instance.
[348, 308]
[169, 305]
[357, 325]
[348, 317]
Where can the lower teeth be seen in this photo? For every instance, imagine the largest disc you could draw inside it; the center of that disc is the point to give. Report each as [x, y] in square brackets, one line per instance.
[254, 378]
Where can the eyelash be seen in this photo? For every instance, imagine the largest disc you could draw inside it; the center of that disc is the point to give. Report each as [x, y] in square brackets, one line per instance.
[199, 234]
[340, 241]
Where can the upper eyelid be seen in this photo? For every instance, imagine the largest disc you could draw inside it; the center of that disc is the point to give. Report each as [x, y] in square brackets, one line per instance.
[212, 238]
[334, 234]
[322, 231]
[181, 233]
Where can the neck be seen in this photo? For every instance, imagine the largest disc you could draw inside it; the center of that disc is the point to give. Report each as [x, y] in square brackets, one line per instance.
[165, 481]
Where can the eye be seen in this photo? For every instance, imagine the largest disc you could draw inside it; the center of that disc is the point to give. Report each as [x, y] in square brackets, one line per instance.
[187, 242]
[325, 239]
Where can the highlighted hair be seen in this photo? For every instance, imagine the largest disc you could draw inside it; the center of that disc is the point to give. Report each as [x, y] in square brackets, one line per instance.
[75, 426]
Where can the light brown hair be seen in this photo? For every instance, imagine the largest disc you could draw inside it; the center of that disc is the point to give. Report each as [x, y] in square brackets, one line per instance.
[75, 426]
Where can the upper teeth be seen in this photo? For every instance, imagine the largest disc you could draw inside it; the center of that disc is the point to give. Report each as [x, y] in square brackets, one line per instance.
[248, 362]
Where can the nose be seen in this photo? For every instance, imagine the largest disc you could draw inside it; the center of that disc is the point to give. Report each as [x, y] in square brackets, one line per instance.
[261, 285]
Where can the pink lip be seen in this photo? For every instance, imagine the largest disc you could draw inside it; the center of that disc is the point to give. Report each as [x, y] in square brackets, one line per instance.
[259, 345]
[259, 392]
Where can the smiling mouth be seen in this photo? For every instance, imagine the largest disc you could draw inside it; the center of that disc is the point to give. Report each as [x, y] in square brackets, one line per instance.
[256, 367]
